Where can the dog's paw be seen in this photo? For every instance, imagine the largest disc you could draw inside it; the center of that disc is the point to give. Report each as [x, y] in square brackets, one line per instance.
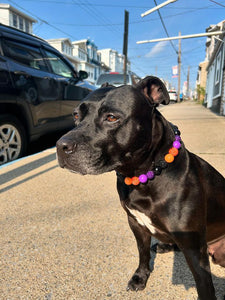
[138, 281]
[164, 248]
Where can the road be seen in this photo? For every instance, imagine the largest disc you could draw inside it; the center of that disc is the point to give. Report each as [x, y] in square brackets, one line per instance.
[65, 236]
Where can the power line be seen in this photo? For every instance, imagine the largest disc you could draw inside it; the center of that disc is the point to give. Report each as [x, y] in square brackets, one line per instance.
[164, 26]
[95, 14]
[41, 20]
[117, 5]
[134, 22]
[217, 3]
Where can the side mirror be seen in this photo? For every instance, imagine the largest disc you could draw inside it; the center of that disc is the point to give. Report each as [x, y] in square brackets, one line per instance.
[82, 75]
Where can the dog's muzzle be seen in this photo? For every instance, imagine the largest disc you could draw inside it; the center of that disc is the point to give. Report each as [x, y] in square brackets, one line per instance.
[79, 156]
[65, 149]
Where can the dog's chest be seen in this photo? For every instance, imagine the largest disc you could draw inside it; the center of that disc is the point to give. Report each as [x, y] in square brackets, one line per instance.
[143, 220]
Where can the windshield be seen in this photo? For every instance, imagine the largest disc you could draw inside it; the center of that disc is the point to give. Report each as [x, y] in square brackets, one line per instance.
[113, 79]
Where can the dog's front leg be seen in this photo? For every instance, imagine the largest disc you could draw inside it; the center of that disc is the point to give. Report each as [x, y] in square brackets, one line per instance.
[195, 252]
[143, 238]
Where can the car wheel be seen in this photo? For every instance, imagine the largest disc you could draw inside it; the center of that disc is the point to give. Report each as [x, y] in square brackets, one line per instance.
[13, 141]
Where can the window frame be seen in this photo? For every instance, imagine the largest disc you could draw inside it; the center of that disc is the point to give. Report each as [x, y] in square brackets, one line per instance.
[8, 45]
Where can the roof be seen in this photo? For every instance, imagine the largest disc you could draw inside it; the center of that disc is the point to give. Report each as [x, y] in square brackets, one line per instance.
[13, 9]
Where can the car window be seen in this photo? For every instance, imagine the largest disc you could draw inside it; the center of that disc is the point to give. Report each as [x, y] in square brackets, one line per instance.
[24, 54]
[112, 79]
[59, 67]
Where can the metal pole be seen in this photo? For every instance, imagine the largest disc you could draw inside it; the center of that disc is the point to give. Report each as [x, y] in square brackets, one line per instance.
[125, 45]
[179, 68]
[188, 76]
[157, 7]
[182, 37]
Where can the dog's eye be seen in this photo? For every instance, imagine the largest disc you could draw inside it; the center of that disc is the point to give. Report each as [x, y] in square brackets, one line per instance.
[76, 116]
[111, 118]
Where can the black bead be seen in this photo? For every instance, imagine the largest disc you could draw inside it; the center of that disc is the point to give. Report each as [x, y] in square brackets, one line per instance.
[177, 132]
[157, 170]
[163, 164]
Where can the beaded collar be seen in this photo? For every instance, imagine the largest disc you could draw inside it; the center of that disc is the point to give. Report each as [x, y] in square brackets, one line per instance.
[159, 166]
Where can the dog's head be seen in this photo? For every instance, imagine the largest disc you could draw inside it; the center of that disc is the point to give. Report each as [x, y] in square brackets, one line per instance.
[113, 128]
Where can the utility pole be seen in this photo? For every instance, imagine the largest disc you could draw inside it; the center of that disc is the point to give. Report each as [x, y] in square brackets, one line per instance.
[125, 45]
[188, 81]
[179, 68]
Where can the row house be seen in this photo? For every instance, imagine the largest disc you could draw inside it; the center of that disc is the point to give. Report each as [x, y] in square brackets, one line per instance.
[92, 64]
[65, 46]
[11, 16]
[201, 80]
[84, 56]
[211, 74]
[113, 59]
[215, 87]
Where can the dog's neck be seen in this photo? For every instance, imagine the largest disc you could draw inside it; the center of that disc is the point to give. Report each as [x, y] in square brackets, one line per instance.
[157, 165]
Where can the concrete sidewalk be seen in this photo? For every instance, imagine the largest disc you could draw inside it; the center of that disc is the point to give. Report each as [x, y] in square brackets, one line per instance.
[65, 236]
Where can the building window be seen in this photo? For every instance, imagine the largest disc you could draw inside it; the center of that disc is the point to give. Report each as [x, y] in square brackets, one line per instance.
[218, 67]
[27, 26]
[20, 23]
[14, 21]
[66, 49]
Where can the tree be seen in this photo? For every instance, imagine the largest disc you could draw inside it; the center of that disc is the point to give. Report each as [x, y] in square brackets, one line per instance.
[200, 93]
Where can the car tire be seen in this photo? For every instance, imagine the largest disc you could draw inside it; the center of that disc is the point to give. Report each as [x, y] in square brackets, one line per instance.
[13, 139]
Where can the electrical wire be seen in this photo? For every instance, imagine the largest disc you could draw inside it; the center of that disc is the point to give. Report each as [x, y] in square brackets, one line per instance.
[164, 26]
[41, 20]
[217, 3]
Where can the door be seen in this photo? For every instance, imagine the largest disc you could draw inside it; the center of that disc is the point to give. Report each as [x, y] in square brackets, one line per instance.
[33, 84]
[70, 89]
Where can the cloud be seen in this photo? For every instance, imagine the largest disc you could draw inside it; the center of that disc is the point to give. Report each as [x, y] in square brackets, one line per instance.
[159, 47]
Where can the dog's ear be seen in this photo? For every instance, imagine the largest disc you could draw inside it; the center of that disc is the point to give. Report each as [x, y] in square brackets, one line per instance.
[154, 90]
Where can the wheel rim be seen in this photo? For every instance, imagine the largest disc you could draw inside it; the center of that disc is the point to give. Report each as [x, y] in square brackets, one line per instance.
[10, 143]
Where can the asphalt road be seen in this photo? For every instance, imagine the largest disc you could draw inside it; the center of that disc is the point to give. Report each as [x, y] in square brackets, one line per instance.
[65, 236]
[44, 142]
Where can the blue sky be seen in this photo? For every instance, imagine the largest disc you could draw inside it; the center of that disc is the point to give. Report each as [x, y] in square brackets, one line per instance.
[103, 22]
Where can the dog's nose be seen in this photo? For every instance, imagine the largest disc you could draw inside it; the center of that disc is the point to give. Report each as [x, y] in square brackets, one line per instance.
[66, 146]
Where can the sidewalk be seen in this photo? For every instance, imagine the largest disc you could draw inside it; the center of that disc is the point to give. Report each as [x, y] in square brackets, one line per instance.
[65, 236]
[202, 131]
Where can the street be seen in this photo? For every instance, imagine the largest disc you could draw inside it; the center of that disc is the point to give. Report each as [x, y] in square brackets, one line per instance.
[66, 236]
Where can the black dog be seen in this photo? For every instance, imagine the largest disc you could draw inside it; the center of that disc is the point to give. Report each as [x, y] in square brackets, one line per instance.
[167, 192]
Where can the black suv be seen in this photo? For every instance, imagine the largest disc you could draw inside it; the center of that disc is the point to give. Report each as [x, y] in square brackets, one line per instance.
[38, 89]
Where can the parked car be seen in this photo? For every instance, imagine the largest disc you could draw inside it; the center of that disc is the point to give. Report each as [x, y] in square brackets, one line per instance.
[38, 89]
[116, 79]
[173, 95]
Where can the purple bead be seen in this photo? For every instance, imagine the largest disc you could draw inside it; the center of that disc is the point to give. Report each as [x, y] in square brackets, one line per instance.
[176, 144]
[150, 174]
[143, 178]
[177, 138]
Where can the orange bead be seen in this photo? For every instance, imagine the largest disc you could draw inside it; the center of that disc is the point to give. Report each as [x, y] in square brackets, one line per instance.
[173, 151]
[128, 181]
[135, 180]
[169, 158]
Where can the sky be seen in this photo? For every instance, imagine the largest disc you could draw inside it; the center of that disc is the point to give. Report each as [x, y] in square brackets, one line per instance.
[103, 23]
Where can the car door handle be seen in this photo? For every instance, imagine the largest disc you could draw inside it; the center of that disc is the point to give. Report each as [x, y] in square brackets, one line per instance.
[21, 73]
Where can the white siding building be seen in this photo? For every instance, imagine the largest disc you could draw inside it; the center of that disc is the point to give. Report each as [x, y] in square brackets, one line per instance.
[113, 60]
[12, 17]
[65, 46]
